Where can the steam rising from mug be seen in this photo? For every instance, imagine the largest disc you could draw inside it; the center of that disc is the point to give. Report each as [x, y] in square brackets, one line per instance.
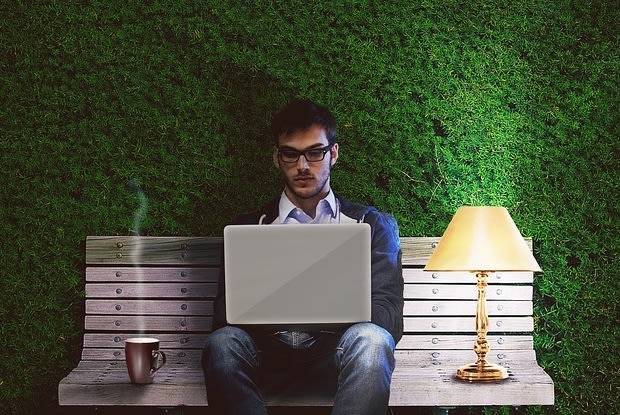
[140, 213]
[138, 218]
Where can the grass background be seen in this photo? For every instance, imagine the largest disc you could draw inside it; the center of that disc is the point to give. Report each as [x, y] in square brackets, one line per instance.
[440, 103]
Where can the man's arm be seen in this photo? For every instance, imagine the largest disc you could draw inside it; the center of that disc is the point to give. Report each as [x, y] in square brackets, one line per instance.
[387, 276]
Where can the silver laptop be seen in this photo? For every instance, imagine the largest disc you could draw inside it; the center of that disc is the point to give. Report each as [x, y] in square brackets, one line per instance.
[297, 275]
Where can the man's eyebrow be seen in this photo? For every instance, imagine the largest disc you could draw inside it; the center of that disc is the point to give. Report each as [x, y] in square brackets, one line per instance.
[312, 147]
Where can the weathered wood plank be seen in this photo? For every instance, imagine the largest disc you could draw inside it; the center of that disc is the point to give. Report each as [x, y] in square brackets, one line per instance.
[467, 324]
[420, 379]
[440, 341]
[200, 323]
[147, 323]
[417, 250]
[418, 275]
[193, 355]
[115, 392]
[167, 340]
[155, 290]
[173, 356]
[411, 291]
[185, 275]
[467, 292]
[194, 274]
[149, 307]
[134, 250]
[425, 359]
[151, 274]
[409, 341]
[466, 308]
[429, 381]
[124, 306]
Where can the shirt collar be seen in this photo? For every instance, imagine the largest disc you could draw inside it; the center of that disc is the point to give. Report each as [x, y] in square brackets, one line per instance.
[286, 207]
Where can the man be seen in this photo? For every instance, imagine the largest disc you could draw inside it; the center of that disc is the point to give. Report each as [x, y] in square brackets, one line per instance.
[357, 360]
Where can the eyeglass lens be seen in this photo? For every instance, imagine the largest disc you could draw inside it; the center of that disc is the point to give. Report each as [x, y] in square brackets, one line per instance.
[313, 154]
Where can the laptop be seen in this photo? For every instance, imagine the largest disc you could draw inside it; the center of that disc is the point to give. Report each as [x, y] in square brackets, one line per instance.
[297, 275]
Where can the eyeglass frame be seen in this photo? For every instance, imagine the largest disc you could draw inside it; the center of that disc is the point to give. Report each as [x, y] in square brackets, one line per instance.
[324, 150]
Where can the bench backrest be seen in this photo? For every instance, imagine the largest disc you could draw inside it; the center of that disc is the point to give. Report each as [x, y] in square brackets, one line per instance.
[164, 287]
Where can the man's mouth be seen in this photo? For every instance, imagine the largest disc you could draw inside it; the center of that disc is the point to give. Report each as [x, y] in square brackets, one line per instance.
[303, 179]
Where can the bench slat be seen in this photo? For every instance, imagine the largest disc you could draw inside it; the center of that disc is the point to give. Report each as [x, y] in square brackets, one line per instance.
[176, 354]
[466, 308]
[173, 356]
[193, 357]
[151, 274]
[418, 275]
[200, 323]
[417, 291]
[439, 341]
[158, 290]
[124, 306]
[408, 341]
[458, 292]
[147, 323]
[432, 382]
[416, 251]
[467, 324]
[162, 250]
[167, 340]
[419, 377]
[149, 307]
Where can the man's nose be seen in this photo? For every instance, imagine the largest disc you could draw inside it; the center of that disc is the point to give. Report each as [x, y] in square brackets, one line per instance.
[302, 163]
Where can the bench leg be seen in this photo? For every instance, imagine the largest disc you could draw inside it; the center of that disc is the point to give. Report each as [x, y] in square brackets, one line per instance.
[442, 410]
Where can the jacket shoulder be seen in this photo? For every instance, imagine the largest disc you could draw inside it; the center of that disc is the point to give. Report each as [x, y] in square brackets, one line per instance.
[269, 212]
[353, 209]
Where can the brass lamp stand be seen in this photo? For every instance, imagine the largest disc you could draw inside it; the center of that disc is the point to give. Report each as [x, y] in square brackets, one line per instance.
[479, 239]
[481, 370]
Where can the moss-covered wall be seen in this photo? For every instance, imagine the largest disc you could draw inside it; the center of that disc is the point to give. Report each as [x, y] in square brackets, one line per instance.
[440, 103]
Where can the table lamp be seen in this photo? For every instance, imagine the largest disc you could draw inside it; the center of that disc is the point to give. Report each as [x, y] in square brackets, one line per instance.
[482, 240]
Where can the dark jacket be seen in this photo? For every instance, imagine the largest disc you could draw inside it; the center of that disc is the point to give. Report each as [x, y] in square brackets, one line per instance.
[387, 277]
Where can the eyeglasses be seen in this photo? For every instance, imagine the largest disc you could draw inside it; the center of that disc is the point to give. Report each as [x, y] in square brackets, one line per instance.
[290, 155]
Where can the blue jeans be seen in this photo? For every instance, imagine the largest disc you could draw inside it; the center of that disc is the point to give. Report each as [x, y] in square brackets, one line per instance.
[358, 362]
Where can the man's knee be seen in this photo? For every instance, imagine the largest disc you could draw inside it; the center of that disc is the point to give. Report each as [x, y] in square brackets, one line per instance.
[370, 335]
[369, 345]
[229, 346]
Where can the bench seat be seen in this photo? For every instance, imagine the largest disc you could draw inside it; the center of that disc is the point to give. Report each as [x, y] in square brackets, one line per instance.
[164, 287]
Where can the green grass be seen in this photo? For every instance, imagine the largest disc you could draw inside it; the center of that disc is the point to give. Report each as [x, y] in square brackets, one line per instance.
[440, 103]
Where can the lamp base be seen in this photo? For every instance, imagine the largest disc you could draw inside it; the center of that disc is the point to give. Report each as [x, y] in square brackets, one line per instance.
[484, 372]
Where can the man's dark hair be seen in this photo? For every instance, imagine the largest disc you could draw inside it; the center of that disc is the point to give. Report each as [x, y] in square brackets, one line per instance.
[300, 115]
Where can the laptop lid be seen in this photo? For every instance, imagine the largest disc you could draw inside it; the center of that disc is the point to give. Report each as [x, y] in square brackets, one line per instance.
[297, 275]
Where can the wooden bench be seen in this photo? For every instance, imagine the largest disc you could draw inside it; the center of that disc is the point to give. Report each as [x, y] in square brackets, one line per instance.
[164, 287]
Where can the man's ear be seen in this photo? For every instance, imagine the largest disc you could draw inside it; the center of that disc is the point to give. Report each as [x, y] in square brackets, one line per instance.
[276, 160]
[334, 154]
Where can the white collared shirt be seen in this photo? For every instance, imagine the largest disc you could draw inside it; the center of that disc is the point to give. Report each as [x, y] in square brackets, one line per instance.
[327, 211]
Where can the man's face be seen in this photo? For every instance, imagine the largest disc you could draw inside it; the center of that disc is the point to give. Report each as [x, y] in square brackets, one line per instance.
[306, 181]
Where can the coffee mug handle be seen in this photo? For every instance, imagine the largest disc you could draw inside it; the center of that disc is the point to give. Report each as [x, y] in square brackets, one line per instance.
[156, 354]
